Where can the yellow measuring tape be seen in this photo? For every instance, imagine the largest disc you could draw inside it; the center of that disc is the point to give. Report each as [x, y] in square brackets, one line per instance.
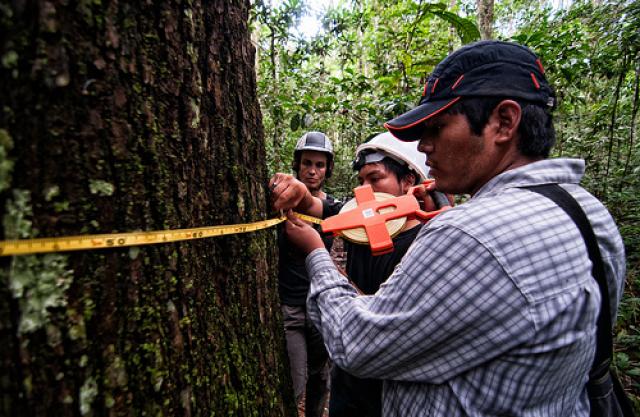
[116, 240]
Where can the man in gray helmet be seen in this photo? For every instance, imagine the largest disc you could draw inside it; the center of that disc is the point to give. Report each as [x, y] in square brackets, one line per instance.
[313, 161]
[308, 359]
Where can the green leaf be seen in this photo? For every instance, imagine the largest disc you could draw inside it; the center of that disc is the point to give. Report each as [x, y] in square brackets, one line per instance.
[466, 28]
[622, 360]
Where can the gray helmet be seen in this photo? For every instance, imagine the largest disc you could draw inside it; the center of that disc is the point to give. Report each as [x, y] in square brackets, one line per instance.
[385, 145]
[314, 141]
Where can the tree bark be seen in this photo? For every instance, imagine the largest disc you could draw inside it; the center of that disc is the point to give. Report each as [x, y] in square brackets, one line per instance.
[122, 116]
[485, 18]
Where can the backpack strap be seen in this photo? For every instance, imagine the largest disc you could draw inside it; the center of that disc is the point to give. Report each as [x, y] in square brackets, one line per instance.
[604, 347]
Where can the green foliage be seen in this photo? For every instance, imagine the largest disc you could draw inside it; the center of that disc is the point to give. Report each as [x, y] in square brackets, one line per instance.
[101, 188]
[350, 79]
[6, 164]
[466, 28]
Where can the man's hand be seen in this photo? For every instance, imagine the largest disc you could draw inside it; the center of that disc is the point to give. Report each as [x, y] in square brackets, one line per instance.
[286, 191]
[422, 194]
[301, 235]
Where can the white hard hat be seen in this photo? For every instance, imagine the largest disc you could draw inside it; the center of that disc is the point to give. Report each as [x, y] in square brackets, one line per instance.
[386, 145]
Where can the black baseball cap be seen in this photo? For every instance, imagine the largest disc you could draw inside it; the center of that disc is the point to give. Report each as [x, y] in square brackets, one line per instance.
[480, 69]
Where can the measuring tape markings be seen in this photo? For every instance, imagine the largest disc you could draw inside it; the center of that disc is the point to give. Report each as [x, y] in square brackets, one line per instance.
[113, 240]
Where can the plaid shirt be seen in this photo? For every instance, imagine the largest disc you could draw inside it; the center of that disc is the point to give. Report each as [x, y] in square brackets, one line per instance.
[491, 312]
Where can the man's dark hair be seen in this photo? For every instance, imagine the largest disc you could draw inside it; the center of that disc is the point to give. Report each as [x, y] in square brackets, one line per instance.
[399, 170]
[536, 131]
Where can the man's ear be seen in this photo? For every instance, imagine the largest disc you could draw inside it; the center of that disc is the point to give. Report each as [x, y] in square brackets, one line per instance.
[506, 120]
[407, 182]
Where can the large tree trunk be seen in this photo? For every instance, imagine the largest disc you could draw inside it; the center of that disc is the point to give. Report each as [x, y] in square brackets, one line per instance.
[124, 116]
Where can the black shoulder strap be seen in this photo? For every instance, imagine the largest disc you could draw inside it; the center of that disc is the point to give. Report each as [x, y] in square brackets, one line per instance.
[565, 201]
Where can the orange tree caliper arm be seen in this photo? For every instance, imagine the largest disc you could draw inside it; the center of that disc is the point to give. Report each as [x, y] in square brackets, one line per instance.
[368, 214]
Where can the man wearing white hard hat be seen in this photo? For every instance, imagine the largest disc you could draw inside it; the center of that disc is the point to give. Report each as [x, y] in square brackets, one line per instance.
[391, 167]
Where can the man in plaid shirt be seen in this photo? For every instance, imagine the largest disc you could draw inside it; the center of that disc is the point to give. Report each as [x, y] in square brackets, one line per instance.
[493, 309]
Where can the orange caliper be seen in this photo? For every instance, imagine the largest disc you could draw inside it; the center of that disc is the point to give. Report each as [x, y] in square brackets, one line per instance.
[372, 215]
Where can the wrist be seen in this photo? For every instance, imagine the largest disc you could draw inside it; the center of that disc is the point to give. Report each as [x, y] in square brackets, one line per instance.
[307, 201]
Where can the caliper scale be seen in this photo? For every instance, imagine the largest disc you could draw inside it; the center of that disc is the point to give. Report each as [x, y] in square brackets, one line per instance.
[375, 218]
